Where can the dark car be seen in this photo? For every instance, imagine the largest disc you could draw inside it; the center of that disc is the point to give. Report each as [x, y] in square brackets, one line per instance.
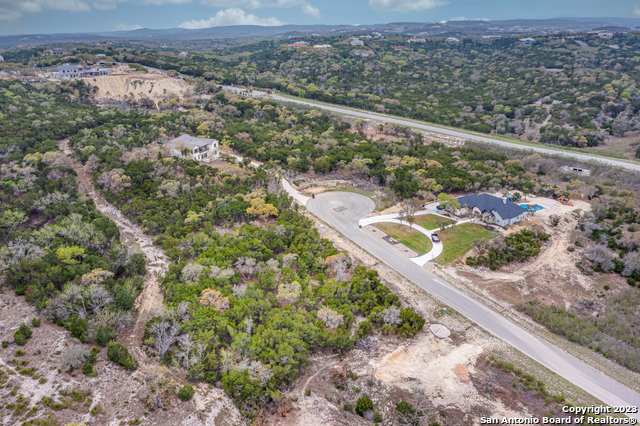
[435, 238]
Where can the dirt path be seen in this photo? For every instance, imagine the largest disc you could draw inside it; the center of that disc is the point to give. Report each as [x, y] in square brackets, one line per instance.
[150, 299]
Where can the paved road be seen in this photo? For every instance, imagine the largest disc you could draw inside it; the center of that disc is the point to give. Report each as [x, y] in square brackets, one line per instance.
[400, 121]
[342, 211]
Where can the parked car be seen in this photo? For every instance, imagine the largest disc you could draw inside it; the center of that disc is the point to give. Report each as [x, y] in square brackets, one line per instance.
[435, 238]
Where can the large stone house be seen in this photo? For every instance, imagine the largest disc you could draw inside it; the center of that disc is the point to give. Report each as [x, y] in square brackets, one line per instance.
[200, 149]
[503, 211]
[66, 72]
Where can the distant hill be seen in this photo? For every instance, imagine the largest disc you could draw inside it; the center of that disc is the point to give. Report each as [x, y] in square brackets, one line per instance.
[462, 28]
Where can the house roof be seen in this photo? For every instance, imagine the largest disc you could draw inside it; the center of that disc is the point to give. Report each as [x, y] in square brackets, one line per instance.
[487, 203]
[190, 141]
[297, 45]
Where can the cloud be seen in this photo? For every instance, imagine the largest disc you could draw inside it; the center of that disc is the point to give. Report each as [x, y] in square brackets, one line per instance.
[636, 10]
[305, 7]
[161, 2]
[127, 27]
[309, 10]
[250, 4]
[14, 9]
[462, 18]
[405, 5]
[229, 17]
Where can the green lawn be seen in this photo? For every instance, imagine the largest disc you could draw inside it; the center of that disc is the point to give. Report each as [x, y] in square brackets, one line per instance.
[411, 238]
[459, 240]
[430, 221]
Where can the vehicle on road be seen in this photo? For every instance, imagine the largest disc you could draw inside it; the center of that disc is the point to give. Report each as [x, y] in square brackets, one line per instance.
[435, 238]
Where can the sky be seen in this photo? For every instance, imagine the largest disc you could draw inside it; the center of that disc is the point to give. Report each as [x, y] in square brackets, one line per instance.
[72, 16]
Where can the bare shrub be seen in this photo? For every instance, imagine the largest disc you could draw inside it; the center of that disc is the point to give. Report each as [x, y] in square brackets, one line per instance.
[75, 356]
[330, 318]
[191, 273]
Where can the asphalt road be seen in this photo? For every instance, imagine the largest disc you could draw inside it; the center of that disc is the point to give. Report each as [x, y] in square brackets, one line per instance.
[451, 132]
[342, 211]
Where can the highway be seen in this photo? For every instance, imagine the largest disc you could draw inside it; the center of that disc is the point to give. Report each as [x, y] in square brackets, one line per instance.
[343, 210]
[389, 119]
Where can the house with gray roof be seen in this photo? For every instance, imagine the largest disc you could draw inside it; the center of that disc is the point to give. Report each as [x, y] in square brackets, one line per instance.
[503, 211]
[200, 149]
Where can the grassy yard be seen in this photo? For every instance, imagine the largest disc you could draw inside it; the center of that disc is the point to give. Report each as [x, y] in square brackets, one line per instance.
[459, 240]
[430, 221]
[411, 238]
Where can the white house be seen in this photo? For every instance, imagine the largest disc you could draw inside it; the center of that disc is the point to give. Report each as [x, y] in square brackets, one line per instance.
[527, 41]
[67, 72]
[322, 46]
[417, 40]
[201, 149]
[503, 211]
[452, 40]
[1, 58]
[356, 42]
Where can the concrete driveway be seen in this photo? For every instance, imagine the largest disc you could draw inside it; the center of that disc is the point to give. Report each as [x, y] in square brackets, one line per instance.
[343, 210]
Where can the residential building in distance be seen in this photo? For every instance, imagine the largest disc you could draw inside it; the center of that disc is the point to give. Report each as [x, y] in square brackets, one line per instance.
[579, 170]
[1, 58]
[201, 149]
[322, 46]
[504, 212]
[356, 42]
[362, 53]
[452, 40]
[293, 45]
[527, 41]
[183, 55]
[67, 72]
[417, 40]
[399, 47]
[606, 35]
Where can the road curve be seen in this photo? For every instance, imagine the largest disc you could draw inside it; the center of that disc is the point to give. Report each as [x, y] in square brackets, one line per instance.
[342, 211]
[445, 131]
